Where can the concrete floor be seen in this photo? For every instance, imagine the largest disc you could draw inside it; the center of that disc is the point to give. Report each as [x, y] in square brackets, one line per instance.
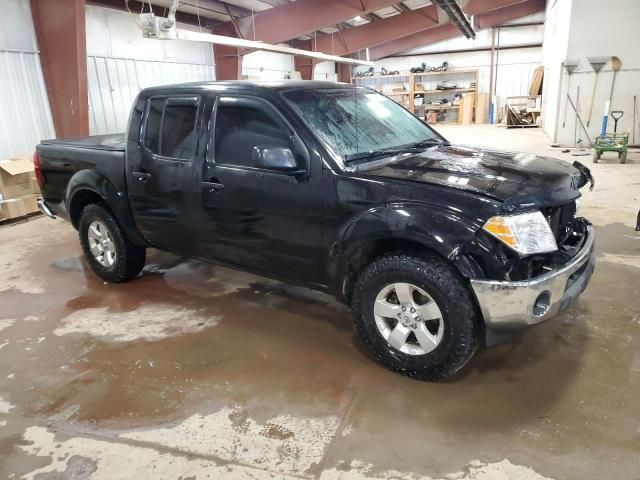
[198, 371]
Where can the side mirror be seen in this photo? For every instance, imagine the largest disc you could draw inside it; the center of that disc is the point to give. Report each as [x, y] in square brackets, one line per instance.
[276, 158]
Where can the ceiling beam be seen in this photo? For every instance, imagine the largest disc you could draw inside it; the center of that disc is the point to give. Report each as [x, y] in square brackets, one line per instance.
[136, 6]
[415, 40]
[401, 7]
[475, 7]
[292, 20]
[507, 14]
[381, 31]
[457, 16]
[445, 32]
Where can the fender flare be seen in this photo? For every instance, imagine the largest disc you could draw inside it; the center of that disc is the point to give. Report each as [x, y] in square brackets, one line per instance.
[100, 185]
[434, 227]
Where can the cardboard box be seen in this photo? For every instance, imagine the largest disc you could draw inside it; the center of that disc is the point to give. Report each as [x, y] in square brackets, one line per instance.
[18, 207]
[15, 178]
[35, 188]
[30, 203]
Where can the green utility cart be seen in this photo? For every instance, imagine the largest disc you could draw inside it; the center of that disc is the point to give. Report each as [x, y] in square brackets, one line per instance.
[612, 142]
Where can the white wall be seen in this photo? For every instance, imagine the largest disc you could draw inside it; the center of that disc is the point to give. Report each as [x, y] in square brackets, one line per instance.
[277, 66]
[120, 63]
[261, 65]
[592, 35]
[325, 71]
[554, 52]
[25, 117]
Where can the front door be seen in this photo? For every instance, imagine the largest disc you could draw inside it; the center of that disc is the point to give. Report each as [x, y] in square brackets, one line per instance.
[268, 221]
[161, 181]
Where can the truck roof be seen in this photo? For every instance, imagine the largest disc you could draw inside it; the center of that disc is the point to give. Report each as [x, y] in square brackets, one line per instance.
[248, 85]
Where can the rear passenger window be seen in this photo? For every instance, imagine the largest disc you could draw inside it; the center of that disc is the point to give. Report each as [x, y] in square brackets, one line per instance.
[152, 130]
[178, 131]
[239, 129]
[170, 127]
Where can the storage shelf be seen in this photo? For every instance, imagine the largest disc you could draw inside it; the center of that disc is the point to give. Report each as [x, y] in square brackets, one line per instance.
[416, 92]
[448, 72]
[409, 81]
[373, 77]
[435, 107]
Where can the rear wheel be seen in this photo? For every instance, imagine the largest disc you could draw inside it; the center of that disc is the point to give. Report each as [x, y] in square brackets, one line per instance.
[111, 255]
[416, 316]
[596, 156]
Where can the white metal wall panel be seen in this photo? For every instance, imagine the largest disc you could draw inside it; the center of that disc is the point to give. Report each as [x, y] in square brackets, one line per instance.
[25, 118]
[114, 83]
[120, 62]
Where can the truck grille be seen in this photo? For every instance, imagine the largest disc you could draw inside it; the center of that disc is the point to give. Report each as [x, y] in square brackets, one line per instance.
[559, 218]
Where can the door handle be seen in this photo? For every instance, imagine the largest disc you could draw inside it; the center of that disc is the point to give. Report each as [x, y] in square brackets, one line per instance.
[213, 185]
[142, 177]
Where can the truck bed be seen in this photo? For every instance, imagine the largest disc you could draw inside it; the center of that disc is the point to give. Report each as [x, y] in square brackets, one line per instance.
[112, 142]
[98, 156]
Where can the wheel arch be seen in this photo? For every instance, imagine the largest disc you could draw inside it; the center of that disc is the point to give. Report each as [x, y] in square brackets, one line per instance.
[400, 227]
[87, 187]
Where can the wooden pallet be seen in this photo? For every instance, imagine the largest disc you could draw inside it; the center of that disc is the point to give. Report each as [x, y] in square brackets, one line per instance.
[22, 219]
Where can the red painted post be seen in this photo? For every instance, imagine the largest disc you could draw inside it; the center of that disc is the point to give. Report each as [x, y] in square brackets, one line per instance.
[304, 65]
[228, 60]
[61, 34]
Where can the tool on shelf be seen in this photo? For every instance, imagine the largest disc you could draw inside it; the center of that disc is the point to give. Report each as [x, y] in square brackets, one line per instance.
[569, 67]
[596, 63]
[579, 119]
[616, 64]
[616, 115]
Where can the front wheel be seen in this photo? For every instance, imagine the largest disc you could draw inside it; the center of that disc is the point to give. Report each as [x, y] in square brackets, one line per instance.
[109, 252]
[416, 316]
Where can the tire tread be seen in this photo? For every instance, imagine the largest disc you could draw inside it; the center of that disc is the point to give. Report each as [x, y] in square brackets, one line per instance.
[437, 271]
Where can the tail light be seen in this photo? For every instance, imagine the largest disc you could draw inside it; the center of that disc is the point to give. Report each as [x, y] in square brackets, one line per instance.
[37, 166]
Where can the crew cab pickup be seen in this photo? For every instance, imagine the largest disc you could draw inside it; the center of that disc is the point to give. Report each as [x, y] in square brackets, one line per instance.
[435, 247]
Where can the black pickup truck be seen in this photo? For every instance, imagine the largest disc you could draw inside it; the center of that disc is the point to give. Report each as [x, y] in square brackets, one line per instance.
[435, 247]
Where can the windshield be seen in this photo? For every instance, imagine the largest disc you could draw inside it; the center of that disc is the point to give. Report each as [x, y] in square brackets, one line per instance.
[357, 122]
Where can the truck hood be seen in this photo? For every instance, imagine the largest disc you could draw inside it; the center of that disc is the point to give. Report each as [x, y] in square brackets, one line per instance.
[519, 180]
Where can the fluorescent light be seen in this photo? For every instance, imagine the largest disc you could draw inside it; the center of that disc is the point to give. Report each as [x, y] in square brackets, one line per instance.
[241, 43]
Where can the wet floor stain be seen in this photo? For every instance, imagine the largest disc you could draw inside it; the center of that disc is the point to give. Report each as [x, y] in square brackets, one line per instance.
[213, 363]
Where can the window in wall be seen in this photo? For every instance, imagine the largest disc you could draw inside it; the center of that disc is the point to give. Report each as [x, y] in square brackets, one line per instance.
[239, 129]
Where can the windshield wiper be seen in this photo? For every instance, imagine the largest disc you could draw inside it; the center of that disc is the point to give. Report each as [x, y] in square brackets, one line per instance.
[411, 148]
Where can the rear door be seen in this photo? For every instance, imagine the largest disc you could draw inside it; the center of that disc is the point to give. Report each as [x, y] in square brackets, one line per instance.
[266, 220]
[161, 180]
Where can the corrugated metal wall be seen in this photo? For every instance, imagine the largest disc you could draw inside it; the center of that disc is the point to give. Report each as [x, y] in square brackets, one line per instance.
[25, 117]
[120, 62]
[114, 83]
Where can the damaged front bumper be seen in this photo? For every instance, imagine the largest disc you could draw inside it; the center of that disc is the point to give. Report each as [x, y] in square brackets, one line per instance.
[508, 305]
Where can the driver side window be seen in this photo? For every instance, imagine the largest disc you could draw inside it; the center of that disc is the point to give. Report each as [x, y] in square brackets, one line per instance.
[239, 129]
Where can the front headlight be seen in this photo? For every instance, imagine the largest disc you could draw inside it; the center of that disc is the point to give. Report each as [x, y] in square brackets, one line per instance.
[526, 233]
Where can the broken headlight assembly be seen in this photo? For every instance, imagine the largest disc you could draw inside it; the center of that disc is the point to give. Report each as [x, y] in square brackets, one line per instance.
[526, 233]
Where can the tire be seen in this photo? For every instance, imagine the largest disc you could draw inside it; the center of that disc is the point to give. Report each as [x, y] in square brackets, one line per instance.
[623, 156]
[128, 259]
[459, 328]
[596, 156]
